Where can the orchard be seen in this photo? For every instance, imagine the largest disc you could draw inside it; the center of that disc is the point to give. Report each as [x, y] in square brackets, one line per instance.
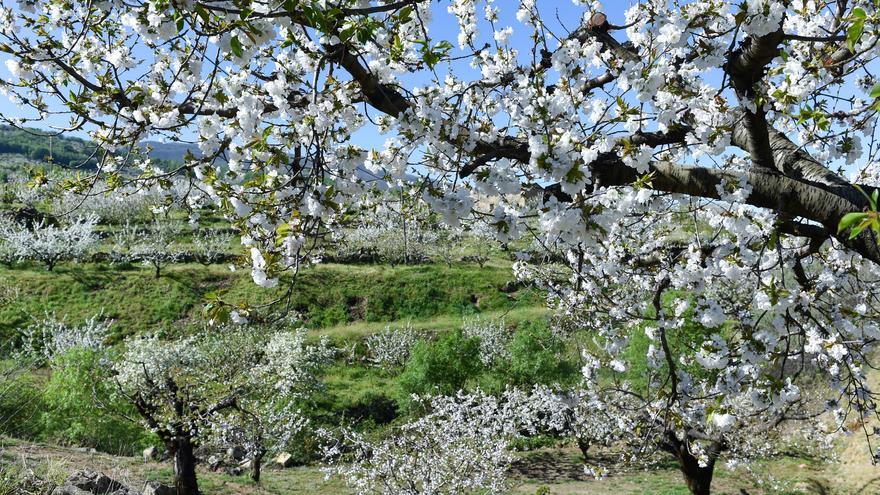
[690, 187]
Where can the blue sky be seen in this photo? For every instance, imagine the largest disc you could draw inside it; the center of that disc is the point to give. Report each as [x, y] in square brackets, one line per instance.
[559, 14]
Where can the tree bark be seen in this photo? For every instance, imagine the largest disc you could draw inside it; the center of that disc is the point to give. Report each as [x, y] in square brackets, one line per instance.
[257, 466]
[185, 481]
[698, 478]
[584, 446]
[824, 204]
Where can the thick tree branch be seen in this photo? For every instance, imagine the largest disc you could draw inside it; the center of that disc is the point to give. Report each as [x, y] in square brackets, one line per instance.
[745, 67]
[770, 189]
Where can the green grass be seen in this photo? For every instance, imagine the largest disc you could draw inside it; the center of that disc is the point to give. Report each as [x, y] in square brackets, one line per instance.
[334, 297]
[333, 294]
[526, 310]
[134, 298]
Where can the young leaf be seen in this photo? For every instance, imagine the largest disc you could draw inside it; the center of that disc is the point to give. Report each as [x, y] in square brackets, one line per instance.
[849, 220]
[854, 33]
[236, 47]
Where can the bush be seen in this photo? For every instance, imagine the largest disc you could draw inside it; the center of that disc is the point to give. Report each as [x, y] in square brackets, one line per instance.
[536, 357]
[440, 367]
[80, 410]
[20, 401]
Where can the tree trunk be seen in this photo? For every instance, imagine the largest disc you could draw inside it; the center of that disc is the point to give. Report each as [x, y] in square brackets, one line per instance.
[158, 269]
[257, 466]
[185, 467]
[584, 446]
[697, 478]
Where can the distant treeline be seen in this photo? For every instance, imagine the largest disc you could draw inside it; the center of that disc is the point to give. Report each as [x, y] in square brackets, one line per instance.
[59, 150]
[64, 151]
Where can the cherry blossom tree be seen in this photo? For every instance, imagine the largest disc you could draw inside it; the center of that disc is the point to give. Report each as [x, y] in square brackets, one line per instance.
[684, 158]
[392, 346]
[176, 386]
[50, 336]
[48, 243]
[156, 246]
[494, 338]
[123, 206]
[212, 246]
[221, 386]
[265, 418]
[394, 231]
[462, 445]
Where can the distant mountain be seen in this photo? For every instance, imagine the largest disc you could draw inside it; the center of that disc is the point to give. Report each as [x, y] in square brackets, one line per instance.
[172, 152]
[21, 147]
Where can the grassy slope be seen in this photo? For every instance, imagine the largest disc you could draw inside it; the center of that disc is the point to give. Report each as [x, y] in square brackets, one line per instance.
[352, 299]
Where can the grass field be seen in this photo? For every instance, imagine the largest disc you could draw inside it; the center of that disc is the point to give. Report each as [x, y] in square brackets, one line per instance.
[340, 300]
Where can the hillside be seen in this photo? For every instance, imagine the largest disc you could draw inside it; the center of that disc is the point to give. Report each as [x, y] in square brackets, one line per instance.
[20, 148]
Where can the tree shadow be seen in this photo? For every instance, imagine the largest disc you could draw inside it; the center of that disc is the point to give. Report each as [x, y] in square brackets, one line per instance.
[864, 488]
[555, 467]
[91, 279]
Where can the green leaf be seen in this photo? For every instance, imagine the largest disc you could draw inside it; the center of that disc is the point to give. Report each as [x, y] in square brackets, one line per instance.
[404, 13]
[203, 13]
[179, 21]
[849, 220]
[236, 47]
[875, 91]
[859, 228]
[854, 34]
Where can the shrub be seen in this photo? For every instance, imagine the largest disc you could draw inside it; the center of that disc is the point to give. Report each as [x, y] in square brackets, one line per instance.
[79, 406]
[536, 356]
[20, 401]
[440, 367]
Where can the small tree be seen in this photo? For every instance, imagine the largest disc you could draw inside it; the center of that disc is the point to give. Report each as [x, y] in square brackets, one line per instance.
[211, 246]
[392, 346]
[124, 205]
[494, 339]
[9, 250]
[51, 244]
[265, 417]
[226, 386]
[155, 247]
[48, 337]
[461, 445]
[176, 386]
[448, 247]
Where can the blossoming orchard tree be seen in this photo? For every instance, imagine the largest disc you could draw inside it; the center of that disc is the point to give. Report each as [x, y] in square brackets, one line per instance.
[692, 158]
[228, 387]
